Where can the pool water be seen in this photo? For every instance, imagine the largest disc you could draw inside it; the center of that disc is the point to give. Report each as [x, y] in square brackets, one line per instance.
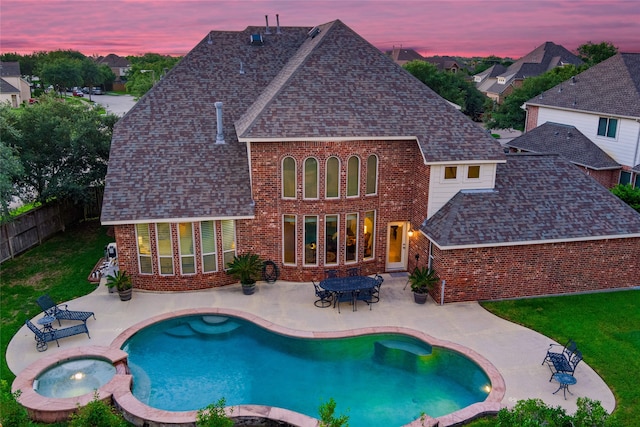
[187, 363]
[74, 378]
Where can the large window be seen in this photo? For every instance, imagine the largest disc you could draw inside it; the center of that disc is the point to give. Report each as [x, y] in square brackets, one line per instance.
[165, 248]
[607, 127]
[353, 176]
[310, 178]
[372, 174]
[289, 177]
[331, 244]
[187, 250]
[228, 228]
[310, 240]
[208, 245]
[144, 248]
[289, 239]
[369, 233]
[351, 244]
[332, 177]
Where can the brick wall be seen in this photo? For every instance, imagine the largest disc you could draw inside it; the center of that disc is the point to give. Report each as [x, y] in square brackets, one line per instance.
[532, 118]
[544, 269]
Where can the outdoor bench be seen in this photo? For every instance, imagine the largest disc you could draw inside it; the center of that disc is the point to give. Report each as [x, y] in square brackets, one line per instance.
[42, 337]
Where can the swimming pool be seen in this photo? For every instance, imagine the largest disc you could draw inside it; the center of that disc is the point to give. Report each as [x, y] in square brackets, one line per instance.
[383, 379]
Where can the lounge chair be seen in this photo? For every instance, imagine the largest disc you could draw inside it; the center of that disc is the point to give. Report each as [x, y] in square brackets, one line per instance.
[324, 297]
[61, 312]
[43, 337]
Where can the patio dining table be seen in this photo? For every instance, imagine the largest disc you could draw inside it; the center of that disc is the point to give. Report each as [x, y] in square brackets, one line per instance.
[349, 284]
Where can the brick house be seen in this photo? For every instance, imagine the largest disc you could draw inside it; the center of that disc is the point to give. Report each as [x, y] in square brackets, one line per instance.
[315, 150]
[603, 103]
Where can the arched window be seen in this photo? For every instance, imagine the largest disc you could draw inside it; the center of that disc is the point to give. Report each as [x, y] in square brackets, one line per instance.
[310, 178]
[353, 176]
[332, 177]
[372, 174]
[289, 177]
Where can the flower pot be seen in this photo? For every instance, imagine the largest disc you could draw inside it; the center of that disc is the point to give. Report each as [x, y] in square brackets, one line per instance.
[125, 295]
[420, 298]
[248, 289]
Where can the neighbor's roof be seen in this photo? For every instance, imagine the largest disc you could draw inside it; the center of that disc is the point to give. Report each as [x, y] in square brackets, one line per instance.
[165, 165]
[567, 141]
[9, 69]
[6, 87]
[537, 199]
[611, 87]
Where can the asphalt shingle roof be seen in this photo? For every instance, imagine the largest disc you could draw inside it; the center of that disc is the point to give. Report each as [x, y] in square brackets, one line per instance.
[567, 141]
[6, 87]
[611, 87]
[537, 198]
[164, 163]
[9, 69]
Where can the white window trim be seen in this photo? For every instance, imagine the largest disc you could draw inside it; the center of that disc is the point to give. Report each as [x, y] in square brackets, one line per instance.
[605, 137]
[235, 242]
[373, 235]
[295, 175]
[357, 175]
[326, 168]
[337, 260]
[215, 248]
[150, 256]
[357, 214]
[193, 242]
[304, 179]
[173, 267]
[304, 239]
[375, 192]
[466, 174]
[295, 239]
[456, 180]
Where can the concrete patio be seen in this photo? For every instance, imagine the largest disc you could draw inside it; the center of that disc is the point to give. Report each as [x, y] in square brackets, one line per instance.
[515, 351]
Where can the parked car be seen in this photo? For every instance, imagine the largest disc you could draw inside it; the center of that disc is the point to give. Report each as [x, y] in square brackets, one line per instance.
[85, 90]
[97, 91]
[77, 92]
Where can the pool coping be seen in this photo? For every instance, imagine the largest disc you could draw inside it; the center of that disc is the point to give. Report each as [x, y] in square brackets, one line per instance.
[119, 388]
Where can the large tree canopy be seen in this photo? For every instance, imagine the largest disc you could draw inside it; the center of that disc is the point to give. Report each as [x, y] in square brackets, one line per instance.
[10, 167]
[592, 53]
[451, 86]
[63, 148]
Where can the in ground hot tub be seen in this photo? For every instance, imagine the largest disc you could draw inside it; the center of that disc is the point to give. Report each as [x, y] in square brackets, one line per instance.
[74, 378]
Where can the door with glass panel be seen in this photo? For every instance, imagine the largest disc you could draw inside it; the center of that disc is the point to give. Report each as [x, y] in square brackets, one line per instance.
[397, 247]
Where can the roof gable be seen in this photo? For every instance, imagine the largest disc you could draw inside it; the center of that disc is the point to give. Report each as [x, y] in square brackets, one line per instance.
[9, 69]
[540, 60]
[611, 87]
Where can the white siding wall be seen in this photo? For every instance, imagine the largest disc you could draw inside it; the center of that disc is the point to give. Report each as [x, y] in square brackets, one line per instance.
[623, 148]
[441, 190]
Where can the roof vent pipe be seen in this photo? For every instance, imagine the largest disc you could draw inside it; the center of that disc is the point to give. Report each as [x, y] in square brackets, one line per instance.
[219, 135]
[266, 18]
[278, 24]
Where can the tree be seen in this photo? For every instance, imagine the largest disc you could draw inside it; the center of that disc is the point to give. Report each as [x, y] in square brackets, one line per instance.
[10, 167]
[138, 82]
[451, 86]
[592, 53]
[62, 73]
[509, 114]
[627, 194]
[63, 149]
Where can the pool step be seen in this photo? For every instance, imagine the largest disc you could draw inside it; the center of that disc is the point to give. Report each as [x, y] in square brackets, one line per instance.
[404, 355]
[405, 346]
[180, 331]
[201, 327]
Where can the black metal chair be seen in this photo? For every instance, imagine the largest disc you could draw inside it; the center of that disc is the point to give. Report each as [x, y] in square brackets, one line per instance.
[569, 348]
[365, 295]
[347, 296]
[330, 274]
[375, 292]
[325, 298]
[354, 271]
[560, 364]
[61, 312]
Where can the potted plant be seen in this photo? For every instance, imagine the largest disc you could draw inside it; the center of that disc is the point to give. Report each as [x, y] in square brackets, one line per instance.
[246, 268]
[122, 282]
[422, 280]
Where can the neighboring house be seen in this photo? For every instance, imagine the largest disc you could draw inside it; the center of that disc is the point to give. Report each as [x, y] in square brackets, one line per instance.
[445, 63]
[311, 148]
[603, 103]
[13, 88]
[542, 59]
[401, 56]
[571, 144]
[119, 66]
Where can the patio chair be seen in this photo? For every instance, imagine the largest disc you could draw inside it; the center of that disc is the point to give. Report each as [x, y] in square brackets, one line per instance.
[61, 312]
[569, 348]
[365, 295]
[354, 271]
[560, 364]
[324, 297]
[346, 296]
[42, 337]
[329, 274]
[375, 292]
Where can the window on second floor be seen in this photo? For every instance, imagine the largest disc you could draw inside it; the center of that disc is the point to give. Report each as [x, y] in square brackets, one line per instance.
[332, 178]
[607, 127]
[310, 178]
[451, 173]
[289, 177]
[353, 176]
[372, 174]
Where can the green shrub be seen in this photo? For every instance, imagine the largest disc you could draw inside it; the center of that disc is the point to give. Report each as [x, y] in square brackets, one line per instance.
[12, 414]
[534, 413]
[214, 415]
[97, 414]
[627, 194]
[327, 417]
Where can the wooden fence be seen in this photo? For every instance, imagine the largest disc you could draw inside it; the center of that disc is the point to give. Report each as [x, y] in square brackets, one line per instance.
[32, 228]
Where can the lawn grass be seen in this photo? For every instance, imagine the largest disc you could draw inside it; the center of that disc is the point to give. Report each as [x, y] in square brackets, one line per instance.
[606, 326]
[60, 267]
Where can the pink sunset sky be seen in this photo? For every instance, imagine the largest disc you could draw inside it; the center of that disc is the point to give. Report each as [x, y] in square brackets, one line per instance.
[506, 28]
